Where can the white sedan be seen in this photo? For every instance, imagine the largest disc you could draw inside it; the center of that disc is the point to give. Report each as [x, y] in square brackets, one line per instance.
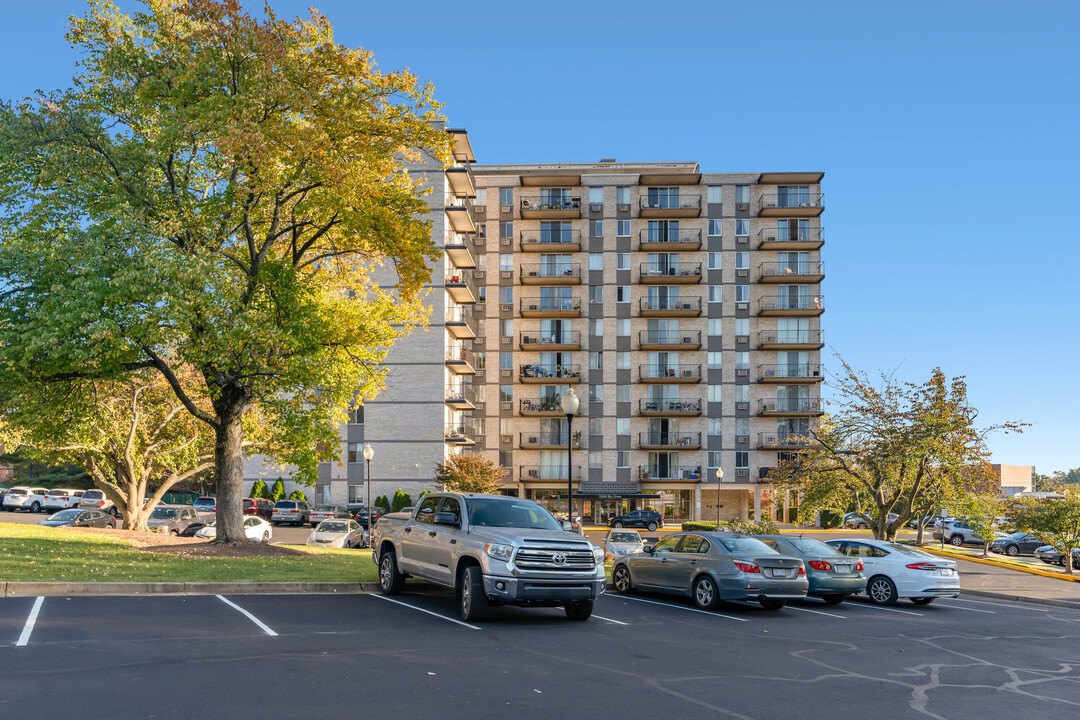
[337, 534]
[255, 528]
[896, 571]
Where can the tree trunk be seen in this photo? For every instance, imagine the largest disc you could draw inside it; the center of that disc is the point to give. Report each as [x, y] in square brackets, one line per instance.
[919, 532]
[229, 473]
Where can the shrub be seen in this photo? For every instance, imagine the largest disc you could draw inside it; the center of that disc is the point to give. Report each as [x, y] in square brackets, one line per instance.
[383, 502]
[259, 490]
[401, 500]
[298, 495]
[746, 527]
[278, 493]
[831, 518]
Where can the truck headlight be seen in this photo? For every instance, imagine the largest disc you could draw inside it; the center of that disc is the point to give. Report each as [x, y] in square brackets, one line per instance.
[499, 552]
[598, 555]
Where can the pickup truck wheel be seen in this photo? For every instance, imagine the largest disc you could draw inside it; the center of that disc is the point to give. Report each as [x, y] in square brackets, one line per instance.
[391, 581]
[474, 603]
[579, 611]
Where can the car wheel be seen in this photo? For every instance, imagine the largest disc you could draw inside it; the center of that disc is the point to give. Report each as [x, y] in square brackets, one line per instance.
[579, 610]
[651, 527]
[956, 540]
[706, 596]
[772, 603]
[616, 525]
[1012, 551]
[35, 507]
[391, 581]
[923, 601]
[266, 536]
[112, 524]
[833, 599]
[881, 590]
[474, 603]
[620, 578]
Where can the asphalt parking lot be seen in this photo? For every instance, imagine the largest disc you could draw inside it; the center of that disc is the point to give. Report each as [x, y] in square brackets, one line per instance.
[639, 656]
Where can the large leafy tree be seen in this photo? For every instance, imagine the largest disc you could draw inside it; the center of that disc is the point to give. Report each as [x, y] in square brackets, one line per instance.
[1055, 521]
[469, 473]
[894, 447]
[217, 188]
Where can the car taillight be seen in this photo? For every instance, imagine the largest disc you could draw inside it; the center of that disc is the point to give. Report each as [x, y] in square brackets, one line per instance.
[819, 565]
[922, 566]
[802, 570]
[747, 567]
[858, 566]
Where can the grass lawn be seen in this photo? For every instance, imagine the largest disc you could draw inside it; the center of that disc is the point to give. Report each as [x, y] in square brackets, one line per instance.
[30, 553]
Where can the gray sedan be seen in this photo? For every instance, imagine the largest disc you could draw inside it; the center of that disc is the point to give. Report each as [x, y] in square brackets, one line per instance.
[712, 567]
[621, 542]
[832, 576]
[73, 517]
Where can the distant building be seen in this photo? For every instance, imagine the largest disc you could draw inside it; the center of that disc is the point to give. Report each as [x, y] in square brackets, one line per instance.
[1014, 479]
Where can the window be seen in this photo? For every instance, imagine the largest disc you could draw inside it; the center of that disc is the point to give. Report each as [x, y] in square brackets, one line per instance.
[714, 461]
[742, 326]
[716, 261]
[622, 195]
[622, 361]
[506, 360]
[482, 230]
[596, 361]
[742, 194]
[506, 262]
[356, 415]
[354, 453]
[622, 293]
[596, 459]
[596, 196]
[481, 327]
[715, 194]
[742, 459]
[742, 393]
[596, 426]
[506, 196]
[742, 360]
[481, 197]
[506, 458]
[715, 393]
[596, 261]
[506, 229]
[622, 228]
[506, 426]
[596, 293]
[596, 228]
[742, 426]
[596, 393]
[506, 327]
[622, 459]
[481, 261]
[506, 393]
[742, 293]
[596, 327]
[716, 228]
[483, 293]
[716, 293]
[506, 295]
[715, 360]
[481, 360]
[622, 327]
[622, 393]
[622, 261]
[480, 390]
[716, 327]
[742, 227]
[622, 426]
[715, 427]
[742, 261]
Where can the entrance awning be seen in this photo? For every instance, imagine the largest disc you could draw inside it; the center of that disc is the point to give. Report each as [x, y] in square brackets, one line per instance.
[612, 496]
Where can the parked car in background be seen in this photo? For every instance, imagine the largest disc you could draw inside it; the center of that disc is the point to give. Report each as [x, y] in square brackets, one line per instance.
[711, 567]
[296, 512]
[337, 534]
[96, 500]
[957, 532]
[895, 571]
[360, 515]
[3, 491]
[171, 519]
[1051, 556]
[61, 499]
[327, 512]
[1019, 543]
[648, 519]
[258, 506]
[25, 498]
[854, 521]
[205, 504]
[621, 542]
[74, 517]
[830, 575]
[255, 528]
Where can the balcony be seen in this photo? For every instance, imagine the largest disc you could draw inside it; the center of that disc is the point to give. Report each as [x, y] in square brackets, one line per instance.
[671, 473]
[548, 440]
[534, 374]
[789, 373]
[673, 273]
[791, 204]
[790, 340]
[459, 252]
[461, 286]
[460, 323]
[460, 218]
[569, 340]
[459, 360]
[460, 181]
[669, 441]
[544, 407]
[772, 441]
[789, 406]
[568, 241]
[459, 434]
[800, 272]
[677, 206]
[669, 240]
[647, 407]
[791, 306]
[550, 307]
[460, 396]
[670, 307]
[669, 373]
[539, 207]
[549, 472]
[788, 238]
[550, 274]
[669, 340]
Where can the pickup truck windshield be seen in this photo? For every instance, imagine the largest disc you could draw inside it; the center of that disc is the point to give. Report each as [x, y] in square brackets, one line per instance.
[500, 513]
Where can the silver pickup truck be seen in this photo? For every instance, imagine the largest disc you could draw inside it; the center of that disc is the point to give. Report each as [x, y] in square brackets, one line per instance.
[492, 550]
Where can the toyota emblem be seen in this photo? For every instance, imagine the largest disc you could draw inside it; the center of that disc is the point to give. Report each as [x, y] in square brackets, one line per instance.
[558, 559]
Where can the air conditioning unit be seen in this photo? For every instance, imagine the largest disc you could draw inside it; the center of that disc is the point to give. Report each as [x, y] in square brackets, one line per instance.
[743, 472]
[533, 440]
[688, 373]
[742, 238]
[532, 307]
[533, 273]
[596, 207]
[505, 241]
[505, 340]
[506, 274]
[742, 338]
[742, 372]
[742, 406]
[506, 406]
[770, 238]
[506, 438]
[742, 273]
[742, 438]
[770, 373]
[687, 341]
[479, 373]
[686, 306]
[742, 206]
[623, 207]
[479, 209]
[505, 373]
[506, 307]
[742, 306]
[533, 473]
[506, 208]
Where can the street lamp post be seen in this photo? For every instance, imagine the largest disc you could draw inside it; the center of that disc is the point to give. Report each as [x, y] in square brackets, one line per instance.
[719, 479]
[369, 452]
[570, 403]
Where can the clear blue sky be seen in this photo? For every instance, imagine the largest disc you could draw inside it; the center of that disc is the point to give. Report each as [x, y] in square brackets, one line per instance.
[948, 133]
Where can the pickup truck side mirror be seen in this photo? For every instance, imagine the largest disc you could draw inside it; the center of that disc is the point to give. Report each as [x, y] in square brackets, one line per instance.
[445, 518]
[567, 526]
[649, 549]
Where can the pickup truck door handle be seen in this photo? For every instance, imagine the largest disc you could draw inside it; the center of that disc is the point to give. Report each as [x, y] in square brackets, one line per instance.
[693, 562]
[408, 529]
[432, 533]
[664, 560]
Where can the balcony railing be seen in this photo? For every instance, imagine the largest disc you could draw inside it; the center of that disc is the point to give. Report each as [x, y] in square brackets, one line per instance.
[549, 472]
[789, 337]
[669, 337]
[462, 432]
[672, 472]
[461, 286]
[550, 304]
[773, 440]
[781, 303]
[551, 241]
[548, 440]
[787, 234]
[794, 271]
[669, 372]
[790, 201]
[669, 439]
[528, 406]
[458, 354]
[671, 270]
[809, 406]
[672, 407]
[538, 202]
[668, 236]
[670, 202]
[535, 341]
[461, 394]
[680, 304]
[790, 371]
[552, 372]
[557, 271]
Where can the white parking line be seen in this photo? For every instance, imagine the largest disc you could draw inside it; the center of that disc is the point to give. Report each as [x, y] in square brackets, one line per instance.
[1008, 605]
[878, 607]
[263, 626]
[817, 612]
[617, 622]
[958, 607]
[30, 620]
[435, 614]
[680, 607]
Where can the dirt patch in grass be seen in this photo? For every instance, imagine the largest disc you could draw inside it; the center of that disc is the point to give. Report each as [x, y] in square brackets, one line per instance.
[193, 547]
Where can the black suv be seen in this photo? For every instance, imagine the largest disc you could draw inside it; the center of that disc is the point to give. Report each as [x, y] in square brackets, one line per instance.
[648, 519]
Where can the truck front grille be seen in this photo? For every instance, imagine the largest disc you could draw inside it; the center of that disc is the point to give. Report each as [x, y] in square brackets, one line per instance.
[554, 558]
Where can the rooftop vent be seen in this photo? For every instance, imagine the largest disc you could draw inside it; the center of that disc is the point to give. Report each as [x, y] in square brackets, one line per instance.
[607, 161]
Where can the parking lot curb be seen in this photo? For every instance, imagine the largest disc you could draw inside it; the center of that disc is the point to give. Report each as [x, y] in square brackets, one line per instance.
[25, 589]
[986, 561]
[1023, 598]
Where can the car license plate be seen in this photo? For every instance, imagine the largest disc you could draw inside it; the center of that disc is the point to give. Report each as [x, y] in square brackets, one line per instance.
[779, 573]
[946, 571]
[843, 568]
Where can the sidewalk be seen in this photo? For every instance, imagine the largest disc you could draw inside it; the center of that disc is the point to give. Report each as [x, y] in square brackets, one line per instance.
[994, 581]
